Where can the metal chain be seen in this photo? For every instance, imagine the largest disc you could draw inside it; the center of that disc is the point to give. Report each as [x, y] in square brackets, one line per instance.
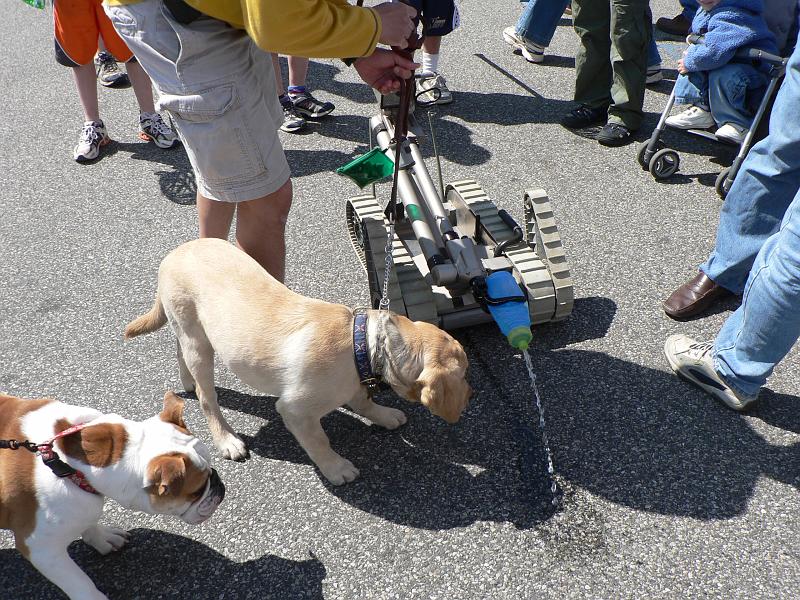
[384, 303]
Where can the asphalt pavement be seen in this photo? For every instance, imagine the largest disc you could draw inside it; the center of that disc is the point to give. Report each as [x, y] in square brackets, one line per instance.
[667, 494]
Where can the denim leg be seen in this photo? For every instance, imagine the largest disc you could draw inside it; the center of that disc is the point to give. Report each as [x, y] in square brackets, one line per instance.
[689, 8]
[767, 183]
[767, 324]
[539, 20]
[692, 88]
[727, 93]
[653, 57]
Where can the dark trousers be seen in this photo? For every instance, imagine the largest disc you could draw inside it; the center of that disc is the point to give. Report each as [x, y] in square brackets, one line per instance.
[611, 65]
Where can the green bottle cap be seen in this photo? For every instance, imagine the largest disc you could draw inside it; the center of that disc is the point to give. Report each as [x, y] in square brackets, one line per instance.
[520, 337]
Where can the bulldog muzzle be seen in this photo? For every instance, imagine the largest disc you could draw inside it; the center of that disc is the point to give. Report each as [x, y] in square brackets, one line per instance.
[202, 508]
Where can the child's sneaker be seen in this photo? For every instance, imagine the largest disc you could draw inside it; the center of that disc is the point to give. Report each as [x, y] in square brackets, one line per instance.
[108, 72]
[730, 132]
[532, 52]
[152, 128]
[692, 118]
[308, 106]
[92, 137]
[292, 120]
[433, 88]
[654, 75]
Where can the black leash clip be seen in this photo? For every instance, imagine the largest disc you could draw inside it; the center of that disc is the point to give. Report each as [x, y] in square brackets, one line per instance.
[57, 466]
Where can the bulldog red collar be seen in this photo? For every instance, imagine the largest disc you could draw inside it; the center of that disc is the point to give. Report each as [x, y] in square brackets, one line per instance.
[51, 459]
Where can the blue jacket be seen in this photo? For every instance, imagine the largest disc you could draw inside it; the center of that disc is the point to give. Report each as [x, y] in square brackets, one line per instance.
[730, 25]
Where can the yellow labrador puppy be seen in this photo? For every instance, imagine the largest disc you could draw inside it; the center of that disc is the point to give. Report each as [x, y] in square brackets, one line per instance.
[299, 349]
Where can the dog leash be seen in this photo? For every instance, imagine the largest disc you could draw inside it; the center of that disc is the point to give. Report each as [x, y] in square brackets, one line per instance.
[51, 458]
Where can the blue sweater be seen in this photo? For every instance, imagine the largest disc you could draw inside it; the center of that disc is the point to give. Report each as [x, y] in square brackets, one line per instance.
[730, 25]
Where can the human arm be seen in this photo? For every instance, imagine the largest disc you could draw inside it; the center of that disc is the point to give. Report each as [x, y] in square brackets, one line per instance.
[727, 32]
[384, 69]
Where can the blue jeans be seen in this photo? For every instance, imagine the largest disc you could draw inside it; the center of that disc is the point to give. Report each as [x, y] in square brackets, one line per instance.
[759, 238]
[539, 20]
[727, 90]
[689, 8]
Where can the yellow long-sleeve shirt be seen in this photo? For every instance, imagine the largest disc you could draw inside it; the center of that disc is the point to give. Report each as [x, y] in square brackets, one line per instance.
[312, 28]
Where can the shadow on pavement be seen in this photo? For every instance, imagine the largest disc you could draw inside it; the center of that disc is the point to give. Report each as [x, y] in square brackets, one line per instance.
[176, 182]
[160, 565]
[636, 436]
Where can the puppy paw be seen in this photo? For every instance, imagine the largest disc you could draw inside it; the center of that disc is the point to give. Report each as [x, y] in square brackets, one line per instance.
[390, 418]
[339, 471]
[232, 447]
[105, 539]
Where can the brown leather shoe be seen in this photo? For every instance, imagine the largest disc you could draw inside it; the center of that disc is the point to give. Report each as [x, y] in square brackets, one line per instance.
[678, 25]
[693, 297]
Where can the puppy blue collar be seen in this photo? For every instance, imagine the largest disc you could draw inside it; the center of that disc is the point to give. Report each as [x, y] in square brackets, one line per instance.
[361, 351]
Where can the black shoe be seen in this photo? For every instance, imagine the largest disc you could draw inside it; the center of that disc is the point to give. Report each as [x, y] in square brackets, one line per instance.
[584, 116]
[614, 134]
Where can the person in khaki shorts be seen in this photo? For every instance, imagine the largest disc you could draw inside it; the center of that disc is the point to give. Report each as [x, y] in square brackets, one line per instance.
[210, 61]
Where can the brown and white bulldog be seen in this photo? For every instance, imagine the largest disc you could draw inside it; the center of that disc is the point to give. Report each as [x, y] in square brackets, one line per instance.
[155, 466]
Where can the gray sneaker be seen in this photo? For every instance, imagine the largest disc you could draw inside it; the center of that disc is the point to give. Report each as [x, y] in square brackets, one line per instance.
[433, 89]
[108, 72]
[692, 361]
[93, 137]
[533, 53]
[152, 128]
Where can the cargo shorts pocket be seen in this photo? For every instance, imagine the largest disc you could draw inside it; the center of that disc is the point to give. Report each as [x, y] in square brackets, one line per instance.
[213, 127]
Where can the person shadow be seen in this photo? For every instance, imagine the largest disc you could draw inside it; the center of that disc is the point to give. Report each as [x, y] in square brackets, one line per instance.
[635, 435]
[161, 565]
[176, 178]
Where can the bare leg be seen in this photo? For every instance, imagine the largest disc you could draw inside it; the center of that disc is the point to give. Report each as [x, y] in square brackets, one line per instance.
[432, 43]
[387, 417]
[260, 229]
[142, 86]
[298, 70]
[86, 82]
[215, 217]
[309, 433]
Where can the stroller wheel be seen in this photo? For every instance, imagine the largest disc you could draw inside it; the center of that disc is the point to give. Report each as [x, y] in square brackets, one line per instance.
[664, 164]
[722, 185]
[645, 164]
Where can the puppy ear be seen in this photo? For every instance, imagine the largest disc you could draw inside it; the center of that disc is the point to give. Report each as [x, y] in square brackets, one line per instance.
[173, 410]
[439, 394]
[97, 445]
[167, 474]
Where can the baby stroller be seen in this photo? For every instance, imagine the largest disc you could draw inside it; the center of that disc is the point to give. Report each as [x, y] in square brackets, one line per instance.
[663, 162]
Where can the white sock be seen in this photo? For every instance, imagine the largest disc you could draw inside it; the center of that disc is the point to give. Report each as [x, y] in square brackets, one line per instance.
[430, 64]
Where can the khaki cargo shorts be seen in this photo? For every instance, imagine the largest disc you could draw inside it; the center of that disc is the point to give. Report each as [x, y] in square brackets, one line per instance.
[219, 88]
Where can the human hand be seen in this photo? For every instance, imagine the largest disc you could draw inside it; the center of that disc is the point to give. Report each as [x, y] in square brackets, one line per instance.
[682, 67]
[384, 69]
[396, 23]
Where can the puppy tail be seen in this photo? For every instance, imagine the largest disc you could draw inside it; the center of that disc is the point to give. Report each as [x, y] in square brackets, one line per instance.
[148, 322]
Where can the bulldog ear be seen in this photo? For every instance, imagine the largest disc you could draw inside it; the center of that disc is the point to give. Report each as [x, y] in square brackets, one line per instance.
[97, 445]
[167, 473]
[173, 410]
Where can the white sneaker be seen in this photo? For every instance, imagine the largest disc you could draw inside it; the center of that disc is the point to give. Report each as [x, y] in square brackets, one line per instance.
[692, 361]
[153, 128]
[692, 118]
[92, 137]
[730, 132]
[532, 52]
[433, 89]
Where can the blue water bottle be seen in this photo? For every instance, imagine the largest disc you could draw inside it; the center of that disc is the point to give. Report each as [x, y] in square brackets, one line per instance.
[511, 316]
